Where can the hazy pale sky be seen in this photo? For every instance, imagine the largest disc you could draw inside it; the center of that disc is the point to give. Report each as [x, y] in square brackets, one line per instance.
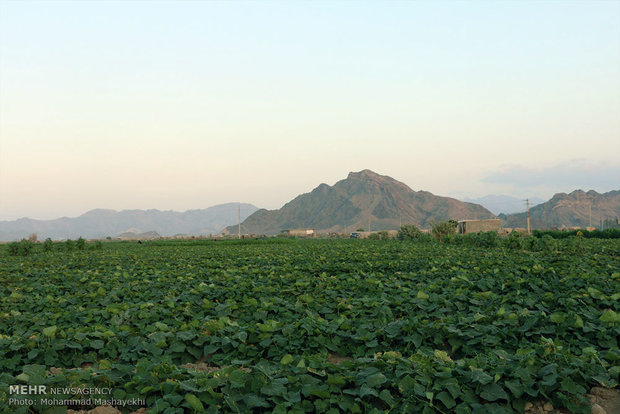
[188, 104]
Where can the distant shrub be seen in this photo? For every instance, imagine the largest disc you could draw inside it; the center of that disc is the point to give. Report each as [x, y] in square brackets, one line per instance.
[14, 249]
[573, 244]
[21, 248]
[380, 235]
[69, 245]
[545, 244]
[80, 243]
[483, 239]
[97, 245]
[443, 230]
[48, 245]
[513, 241]
[409, 232]
[594, 234]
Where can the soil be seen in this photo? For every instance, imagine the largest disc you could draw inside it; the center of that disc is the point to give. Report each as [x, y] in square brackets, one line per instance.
[337, 359]
[602, 401]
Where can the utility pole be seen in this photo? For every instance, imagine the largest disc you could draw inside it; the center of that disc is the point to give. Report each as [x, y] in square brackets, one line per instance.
[368, 225]
[590, 212]
[527, 203]
[239, 216]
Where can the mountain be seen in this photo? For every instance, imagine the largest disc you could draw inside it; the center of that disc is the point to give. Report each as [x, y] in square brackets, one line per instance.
[503, 204]
[569, 210]
[101, 223]
[361, 199]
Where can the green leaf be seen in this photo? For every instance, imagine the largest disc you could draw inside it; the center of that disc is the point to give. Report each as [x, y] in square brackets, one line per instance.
[557, 317]
[446, 399]
[23, 377]
[422, 295]
[36, 373]
[480, 376]
[406, 385]
[194, 402]
[237, 379]
[462, 408]
[287, 359]
[253, 400]
[375, 379]
[366, 390]
[610, 316]
[578, 322]
[163, 327]
[50, 331]
[493, 392]
[319, 390]
[275, 387]
[515, 387]
[96, 344]
[568, 385]
[335, 379]
[387, 398]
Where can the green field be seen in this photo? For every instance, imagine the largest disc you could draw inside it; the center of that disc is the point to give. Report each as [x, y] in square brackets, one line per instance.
[313, 325]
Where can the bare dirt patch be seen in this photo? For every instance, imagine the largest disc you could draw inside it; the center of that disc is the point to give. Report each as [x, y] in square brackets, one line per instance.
[337, 359]
[602, 401]
[201, 367]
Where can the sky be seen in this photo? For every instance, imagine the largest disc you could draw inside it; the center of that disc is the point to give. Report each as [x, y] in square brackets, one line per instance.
[188, 104]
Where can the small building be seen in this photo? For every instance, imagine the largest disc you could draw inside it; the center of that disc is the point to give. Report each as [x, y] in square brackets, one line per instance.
[477, 226]
[300, 232]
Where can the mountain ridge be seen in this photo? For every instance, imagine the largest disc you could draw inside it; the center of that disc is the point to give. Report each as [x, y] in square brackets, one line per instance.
[100, 223]
[363, 199]
[569, 210]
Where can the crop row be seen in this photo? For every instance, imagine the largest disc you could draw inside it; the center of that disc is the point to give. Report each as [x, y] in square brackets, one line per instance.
[340, 325]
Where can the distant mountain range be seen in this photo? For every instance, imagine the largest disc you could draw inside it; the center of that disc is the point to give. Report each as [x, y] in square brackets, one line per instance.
[364, 199]
[503, 204]
[569, 210]
[103, 223]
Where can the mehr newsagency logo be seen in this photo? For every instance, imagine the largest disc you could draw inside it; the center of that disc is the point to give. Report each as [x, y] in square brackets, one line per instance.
[86, 396]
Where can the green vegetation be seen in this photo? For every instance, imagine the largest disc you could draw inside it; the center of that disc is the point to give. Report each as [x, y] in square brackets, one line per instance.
[21, 248]
[594, 234]
[48, 245]
[380, 235]
[443, 229]
[316, 325]
[69, 245]
[80, 244]
[409, 232]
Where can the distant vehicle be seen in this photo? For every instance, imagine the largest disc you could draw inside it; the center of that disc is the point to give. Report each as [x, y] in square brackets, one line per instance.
[354, 235]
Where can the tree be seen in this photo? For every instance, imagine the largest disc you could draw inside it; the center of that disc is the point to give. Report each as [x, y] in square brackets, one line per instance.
[22, 248]
[408, 232]
[69, 245]
[80, 243]
[48, 244]
[443, 229]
